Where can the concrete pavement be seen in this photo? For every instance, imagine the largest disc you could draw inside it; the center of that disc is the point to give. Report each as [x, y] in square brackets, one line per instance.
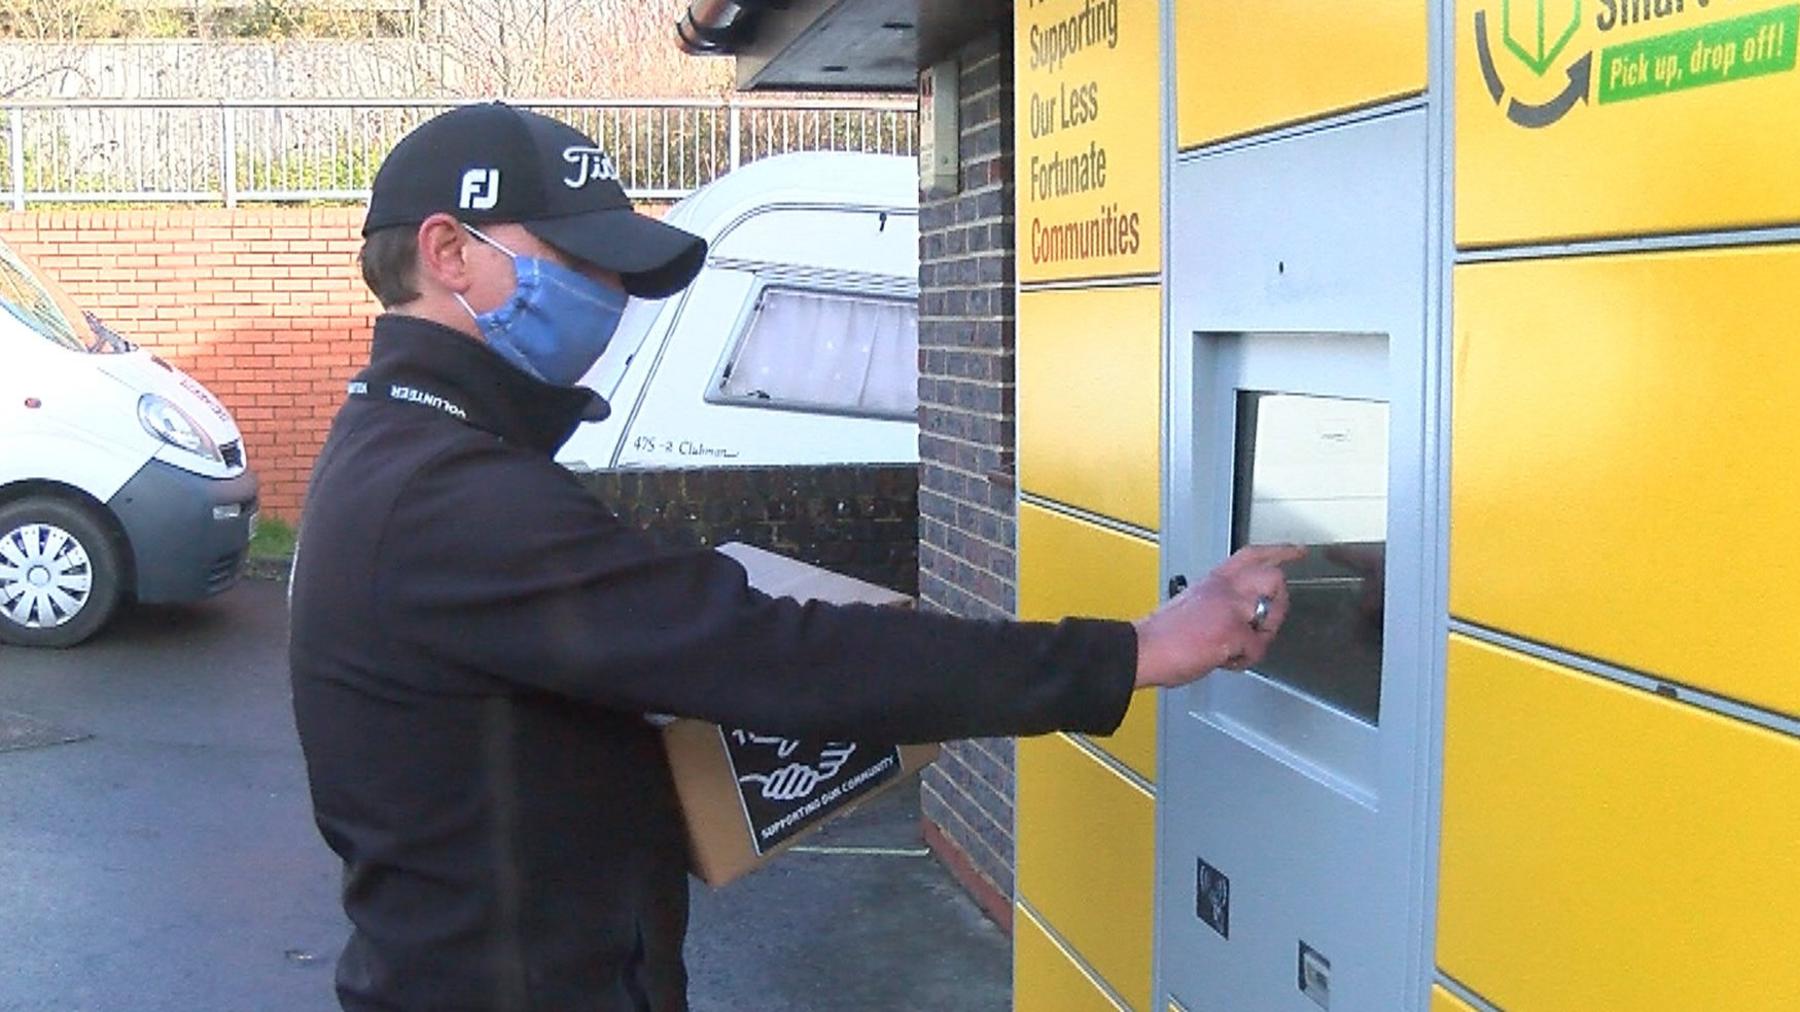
[165, 859]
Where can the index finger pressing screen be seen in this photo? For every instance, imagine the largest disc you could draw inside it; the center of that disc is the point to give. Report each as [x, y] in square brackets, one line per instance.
[1269, 555]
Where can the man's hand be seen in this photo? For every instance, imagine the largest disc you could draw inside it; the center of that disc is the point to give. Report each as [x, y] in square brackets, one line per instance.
[1216, 624]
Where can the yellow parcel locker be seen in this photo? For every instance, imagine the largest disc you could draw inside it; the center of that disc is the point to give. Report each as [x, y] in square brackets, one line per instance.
[1604, 848]
[1246, 67]
[1090, 399]
[1046, 978]
[1625, 482]
[1444, 1001]
[1069, 566]
[1618, 118]
[1086, 858]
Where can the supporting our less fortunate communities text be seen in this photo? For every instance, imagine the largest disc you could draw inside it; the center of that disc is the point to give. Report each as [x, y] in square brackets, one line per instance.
[1058, 107]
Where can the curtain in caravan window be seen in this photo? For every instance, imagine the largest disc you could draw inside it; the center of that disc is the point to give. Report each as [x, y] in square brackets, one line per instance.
[831, 352]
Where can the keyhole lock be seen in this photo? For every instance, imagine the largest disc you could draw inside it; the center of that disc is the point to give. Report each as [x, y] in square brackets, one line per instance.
[1177, 584]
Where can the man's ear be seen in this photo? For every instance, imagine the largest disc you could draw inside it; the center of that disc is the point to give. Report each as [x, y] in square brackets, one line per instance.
[444, 253]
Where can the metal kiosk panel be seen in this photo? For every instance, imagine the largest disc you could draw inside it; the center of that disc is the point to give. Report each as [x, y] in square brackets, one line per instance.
[1292, 807]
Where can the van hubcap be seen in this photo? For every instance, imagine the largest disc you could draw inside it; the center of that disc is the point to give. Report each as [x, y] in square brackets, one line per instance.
[45, 576]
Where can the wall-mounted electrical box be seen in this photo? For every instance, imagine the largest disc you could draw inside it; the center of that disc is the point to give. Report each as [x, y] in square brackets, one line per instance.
[939, 153]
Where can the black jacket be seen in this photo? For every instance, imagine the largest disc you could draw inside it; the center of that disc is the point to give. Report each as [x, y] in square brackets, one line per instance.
[475, 640]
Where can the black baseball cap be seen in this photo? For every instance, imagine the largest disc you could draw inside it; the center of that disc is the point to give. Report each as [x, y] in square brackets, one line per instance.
[494, 162]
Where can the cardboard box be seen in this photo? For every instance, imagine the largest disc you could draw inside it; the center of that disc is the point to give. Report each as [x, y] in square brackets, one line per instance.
[748, 796]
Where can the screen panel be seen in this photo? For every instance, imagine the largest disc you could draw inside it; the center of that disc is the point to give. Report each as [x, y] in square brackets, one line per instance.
[1312, 470]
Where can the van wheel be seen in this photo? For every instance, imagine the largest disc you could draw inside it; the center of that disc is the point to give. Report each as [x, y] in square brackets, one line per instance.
[59, 573]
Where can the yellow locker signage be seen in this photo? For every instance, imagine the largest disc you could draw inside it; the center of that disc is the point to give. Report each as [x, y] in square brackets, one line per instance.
[1088, 94]
[1603, 118]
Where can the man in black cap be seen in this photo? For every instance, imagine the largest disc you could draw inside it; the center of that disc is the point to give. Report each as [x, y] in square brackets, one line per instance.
[475, 639]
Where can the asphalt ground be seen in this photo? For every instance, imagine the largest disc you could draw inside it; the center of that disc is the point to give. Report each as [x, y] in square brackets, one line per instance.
[157, 851]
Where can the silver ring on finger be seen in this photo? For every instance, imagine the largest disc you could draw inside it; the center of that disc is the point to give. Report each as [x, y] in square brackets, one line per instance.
[1261, 614]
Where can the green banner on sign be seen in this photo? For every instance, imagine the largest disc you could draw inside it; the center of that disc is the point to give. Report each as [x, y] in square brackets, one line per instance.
[1750, 46]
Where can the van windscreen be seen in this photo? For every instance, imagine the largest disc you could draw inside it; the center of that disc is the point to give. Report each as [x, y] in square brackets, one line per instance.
[36, 306]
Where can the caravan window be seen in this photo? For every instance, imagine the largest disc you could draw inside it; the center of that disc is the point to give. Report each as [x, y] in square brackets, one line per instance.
[828, 352]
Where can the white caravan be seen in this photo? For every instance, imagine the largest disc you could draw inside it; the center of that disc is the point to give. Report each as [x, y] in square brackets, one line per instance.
[797, 343]
[120, 476]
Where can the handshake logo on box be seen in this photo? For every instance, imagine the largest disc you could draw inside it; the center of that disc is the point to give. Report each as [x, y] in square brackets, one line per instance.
[786, 783]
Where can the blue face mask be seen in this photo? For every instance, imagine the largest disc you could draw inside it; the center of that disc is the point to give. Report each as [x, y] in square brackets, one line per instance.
[557, 321]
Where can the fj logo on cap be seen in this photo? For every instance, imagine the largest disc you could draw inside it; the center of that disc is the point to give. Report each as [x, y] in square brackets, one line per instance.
[590, 164]
[480, 190]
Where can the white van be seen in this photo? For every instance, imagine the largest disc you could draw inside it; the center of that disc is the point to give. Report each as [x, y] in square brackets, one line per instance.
[797, 344]
[120, 476]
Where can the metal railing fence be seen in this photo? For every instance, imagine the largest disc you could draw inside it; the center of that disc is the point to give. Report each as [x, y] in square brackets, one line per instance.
[155, 151]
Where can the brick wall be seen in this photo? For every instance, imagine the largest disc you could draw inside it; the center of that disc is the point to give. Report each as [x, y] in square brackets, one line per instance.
[265, 307]
[858, 521]
[967, 498]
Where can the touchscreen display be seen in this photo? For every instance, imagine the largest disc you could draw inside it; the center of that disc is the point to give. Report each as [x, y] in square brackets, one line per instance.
[1313, 471]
